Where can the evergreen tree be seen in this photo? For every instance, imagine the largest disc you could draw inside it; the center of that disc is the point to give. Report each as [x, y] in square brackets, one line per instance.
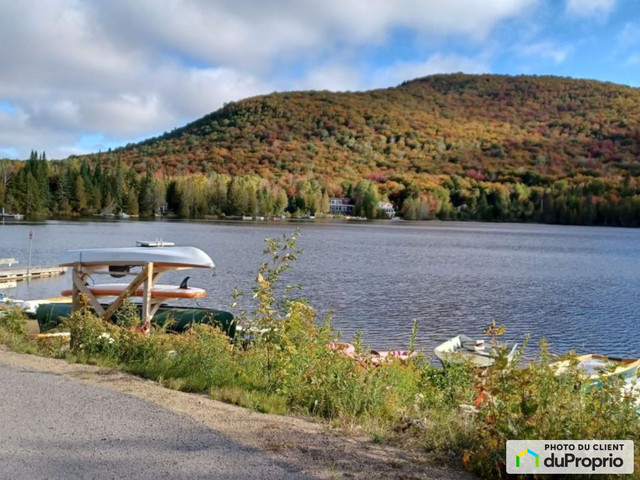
[80, 194]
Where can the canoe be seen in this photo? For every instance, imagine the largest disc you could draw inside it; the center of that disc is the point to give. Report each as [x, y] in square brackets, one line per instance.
[597, 366]
[461, 349]
[50, 315]
[177, 257]
[158, 291]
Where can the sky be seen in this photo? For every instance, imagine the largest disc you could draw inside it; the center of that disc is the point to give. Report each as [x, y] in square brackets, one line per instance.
[82, 76]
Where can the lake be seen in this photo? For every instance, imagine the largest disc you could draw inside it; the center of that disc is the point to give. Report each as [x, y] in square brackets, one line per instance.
[578, 287]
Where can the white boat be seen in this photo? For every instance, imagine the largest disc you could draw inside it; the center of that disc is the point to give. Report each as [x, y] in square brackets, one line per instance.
[8, 284]
[29, 307]
[596, 366]
[11, 216]
[8, 261]
[9, 302]
[177, 257]
[462, 348]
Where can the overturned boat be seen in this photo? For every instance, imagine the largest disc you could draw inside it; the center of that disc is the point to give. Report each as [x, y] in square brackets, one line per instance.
[173, 318]
[464, 349]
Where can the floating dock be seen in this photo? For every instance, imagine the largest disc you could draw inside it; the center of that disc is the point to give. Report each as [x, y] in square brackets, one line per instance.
[17, 274]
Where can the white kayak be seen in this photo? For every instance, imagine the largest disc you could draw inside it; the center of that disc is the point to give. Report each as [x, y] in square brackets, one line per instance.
[176, 257]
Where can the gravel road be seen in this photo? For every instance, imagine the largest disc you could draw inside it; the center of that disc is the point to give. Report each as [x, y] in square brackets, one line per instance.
[68, 421]
[56, 427]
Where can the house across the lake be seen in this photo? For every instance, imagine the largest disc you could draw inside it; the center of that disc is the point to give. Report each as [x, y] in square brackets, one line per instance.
[340, 206]
[387, 208]
[343, 206]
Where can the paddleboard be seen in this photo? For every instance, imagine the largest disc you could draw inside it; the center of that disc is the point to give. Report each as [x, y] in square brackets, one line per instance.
[158, 291]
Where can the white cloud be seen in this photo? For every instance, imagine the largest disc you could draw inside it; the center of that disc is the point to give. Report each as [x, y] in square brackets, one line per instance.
[545, 50]
[252, 32]
[69, 75]
[437, 63]
[590, 8]
[332, 76]
[123, 69]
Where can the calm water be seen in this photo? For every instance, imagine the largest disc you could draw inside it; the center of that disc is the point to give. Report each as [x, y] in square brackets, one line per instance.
[576, 286]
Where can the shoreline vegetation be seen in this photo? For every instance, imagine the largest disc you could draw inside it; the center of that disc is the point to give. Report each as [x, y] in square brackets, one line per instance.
[288, 366]
[42, 189]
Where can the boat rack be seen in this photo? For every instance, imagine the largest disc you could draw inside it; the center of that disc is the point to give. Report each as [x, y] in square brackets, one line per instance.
[118, 262]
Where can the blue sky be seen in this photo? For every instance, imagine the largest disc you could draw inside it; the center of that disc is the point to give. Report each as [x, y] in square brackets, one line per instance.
[81, 76]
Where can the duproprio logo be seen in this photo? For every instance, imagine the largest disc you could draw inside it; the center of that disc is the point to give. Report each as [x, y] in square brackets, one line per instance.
[530, 452]
[569, 456]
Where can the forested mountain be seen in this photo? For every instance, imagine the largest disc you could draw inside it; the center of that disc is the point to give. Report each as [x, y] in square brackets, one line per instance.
[448, 146]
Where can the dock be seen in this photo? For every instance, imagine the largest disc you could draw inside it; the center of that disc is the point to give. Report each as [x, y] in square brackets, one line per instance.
[154, 243]
[17, 274]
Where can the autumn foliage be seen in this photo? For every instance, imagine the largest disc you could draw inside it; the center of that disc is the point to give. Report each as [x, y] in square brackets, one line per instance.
[484, 147]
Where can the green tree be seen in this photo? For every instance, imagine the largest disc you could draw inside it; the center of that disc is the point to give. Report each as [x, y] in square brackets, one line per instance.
[80, 194]
[366, 199]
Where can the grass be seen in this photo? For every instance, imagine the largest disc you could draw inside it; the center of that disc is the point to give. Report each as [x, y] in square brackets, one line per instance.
[457, 415]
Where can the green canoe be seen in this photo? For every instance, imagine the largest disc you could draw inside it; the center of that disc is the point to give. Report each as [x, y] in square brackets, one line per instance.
[49, 316]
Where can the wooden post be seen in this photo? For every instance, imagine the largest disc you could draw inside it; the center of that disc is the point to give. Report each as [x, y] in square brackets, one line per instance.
[75, 291]
[80, 287]
[147, 278]
[146, 298]
[127, 292]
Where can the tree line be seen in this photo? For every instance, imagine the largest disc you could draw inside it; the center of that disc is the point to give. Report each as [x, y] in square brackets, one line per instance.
[42, 188]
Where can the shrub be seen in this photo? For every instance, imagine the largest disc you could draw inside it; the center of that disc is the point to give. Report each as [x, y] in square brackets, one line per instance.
[91, 338]
[532, 402]
[13, 328]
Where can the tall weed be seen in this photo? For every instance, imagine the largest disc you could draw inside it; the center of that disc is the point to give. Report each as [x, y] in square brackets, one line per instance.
[13, 329]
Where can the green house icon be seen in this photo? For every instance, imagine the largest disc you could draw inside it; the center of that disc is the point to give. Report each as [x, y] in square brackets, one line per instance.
[530, 452]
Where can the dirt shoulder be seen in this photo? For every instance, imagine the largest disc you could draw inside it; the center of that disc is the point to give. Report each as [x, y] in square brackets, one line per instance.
[310, 446]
